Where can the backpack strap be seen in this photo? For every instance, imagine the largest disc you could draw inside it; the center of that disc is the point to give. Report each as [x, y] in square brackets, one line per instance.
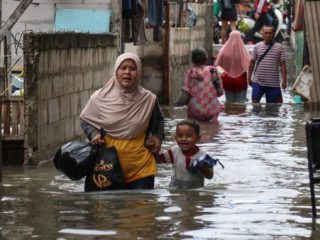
[263, 55]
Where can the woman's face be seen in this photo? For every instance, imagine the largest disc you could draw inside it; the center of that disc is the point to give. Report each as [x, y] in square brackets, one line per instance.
[127, 74]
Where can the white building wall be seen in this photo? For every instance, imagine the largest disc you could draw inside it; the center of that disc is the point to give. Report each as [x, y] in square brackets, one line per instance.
[40, 17]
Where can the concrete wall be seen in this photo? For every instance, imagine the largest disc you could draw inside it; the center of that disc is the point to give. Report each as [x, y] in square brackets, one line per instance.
[61, 72]
[183, 41]
[40, 16]
[151, 55]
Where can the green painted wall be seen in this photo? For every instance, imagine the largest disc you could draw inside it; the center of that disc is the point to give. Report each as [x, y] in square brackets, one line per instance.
[299, 51]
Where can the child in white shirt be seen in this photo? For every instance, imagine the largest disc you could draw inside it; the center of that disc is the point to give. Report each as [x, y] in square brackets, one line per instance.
[187, 158]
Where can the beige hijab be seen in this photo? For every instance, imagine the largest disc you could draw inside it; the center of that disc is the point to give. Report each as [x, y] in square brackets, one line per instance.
[121, 112]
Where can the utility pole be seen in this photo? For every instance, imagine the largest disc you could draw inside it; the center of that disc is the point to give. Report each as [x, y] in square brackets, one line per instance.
[166, 68]
[1, 151]
[180, 13]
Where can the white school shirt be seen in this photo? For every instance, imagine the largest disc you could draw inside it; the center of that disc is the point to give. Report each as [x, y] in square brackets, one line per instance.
[181, 177]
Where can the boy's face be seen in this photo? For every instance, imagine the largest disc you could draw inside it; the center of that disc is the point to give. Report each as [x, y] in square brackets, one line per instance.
[186, 137]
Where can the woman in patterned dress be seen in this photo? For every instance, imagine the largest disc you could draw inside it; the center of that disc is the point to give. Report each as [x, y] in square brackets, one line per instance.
[201, 89]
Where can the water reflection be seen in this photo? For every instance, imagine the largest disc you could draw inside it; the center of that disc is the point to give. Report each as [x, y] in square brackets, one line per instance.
[263, 192]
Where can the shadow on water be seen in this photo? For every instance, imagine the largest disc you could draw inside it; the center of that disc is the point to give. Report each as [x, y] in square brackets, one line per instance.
[263, 192]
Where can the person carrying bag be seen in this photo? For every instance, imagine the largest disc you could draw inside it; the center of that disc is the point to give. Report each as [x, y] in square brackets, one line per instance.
[132, 119]
[268, 60]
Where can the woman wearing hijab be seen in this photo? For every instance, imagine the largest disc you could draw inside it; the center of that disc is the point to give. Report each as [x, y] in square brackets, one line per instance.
[234, 60]
[132, 119]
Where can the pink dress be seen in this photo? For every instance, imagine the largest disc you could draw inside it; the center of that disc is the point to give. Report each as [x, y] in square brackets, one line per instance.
[203, 103]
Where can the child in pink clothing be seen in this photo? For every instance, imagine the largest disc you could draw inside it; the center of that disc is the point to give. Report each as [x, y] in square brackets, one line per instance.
[201, 89]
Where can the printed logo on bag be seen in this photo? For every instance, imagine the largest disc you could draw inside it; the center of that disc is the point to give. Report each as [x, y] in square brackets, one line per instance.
[101, 181]
[101, 166]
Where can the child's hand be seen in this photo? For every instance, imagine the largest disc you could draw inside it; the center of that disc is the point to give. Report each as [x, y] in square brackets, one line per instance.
[207, 171]
[153, 143]
[97, 140]
[160, 158]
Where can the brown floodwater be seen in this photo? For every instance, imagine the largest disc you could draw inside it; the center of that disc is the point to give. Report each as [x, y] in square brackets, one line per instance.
[262, 193]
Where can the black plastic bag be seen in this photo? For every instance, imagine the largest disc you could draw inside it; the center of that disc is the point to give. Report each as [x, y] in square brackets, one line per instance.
[106, 173]
[75, 159]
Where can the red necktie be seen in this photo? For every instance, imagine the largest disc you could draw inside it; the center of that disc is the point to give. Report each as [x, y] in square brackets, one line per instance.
[189, 154]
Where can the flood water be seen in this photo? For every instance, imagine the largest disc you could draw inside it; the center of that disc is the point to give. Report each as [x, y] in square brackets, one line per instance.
[262, 193]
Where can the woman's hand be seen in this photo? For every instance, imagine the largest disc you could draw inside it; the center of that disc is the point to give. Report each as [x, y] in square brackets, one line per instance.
[153, 143]
[97, 140]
